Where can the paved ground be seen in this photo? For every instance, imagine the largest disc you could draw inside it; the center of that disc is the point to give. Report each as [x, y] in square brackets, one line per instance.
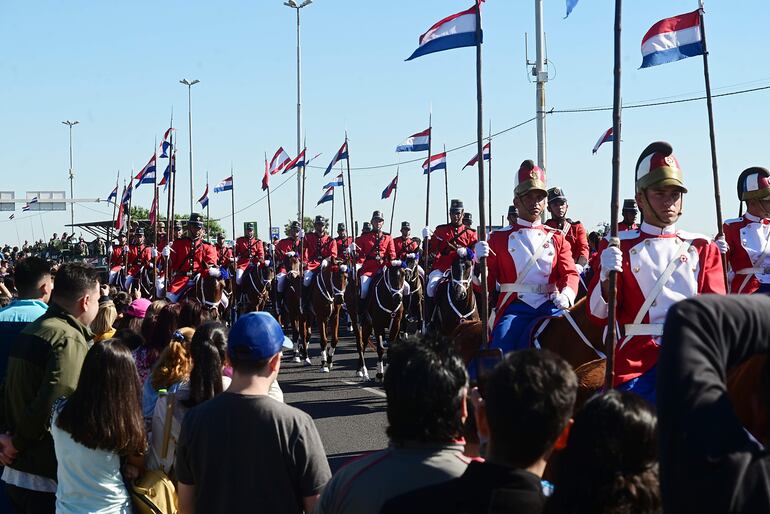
[349, 413]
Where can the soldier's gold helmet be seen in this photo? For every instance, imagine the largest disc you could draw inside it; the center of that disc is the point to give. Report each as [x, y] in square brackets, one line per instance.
[754, 184]
[657, 166]
[531, 177]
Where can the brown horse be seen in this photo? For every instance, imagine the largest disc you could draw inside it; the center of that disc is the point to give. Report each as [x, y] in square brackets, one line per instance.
[385, 307]
[254, 291]
[145, 283]
[326, 296]
[455, 300]
[208, 292]
[413, 301]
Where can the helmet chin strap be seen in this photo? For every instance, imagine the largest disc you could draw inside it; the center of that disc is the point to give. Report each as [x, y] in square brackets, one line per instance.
[655, 213]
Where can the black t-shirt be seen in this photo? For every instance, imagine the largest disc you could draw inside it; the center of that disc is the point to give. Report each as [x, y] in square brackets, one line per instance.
[483, 488]
[250, 454]
[708, 462]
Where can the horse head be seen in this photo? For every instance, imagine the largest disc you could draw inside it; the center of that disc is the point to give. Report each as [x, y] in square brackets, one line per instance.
[266, 273]
[209, 291]
[460, 277]
[339, 281]
[394, 280]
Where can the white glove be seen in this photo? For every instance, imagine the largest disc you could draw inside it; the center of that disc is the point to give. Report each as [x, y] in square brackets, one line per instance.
[410, 256]
[579, 268]
[267, 262]
[232, 259]
[154, 252]
[481, 249]
[270, 247]
[351, 249]
[611, 260]
[462, 252]
[722, 245]
[324, 263]
[291, 254]
[561, 301]
[214, 272]
[301, 233]
[126, 248]
[427, 232]
[395, 263]
[166, 251]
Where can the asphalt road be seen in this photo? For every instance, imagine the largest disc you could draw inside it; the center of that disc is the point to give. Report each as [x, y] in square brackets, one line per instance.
[349, 413]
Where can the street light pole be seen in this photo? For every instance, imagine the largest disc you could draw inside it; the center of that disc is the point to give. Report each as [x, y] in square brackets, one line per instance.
[297, 7]
[190, 84]
[71, 124]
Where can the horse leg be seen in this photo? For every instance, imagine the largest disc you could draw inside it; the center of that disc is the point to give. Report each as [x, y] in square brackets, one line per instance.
[335, 325]
[304, 327]
[379, 336]
[322, 336]
[366, 332]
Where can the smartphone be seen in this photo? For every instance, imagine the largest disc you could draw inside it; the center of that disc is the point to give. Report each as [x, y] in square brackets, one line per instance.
[486, 360]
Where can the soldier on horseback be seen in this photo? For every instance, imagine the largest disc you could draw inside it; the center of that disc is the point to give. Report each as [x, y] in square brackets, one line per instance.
[117, 258]
[139, 256]
[224, 252]
[657, 265]
[531, 262]
[408, 247]
[629, 213]
[372, 250]
[747, 239]
[342, 240]
[285, 249]
[449, 241]
[190, 256]
[248, 252]
[319, 250]
[573, 231]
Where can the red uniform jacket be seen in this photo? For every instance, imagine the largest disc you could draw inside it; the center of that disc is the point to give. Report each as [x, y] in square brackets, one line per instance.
[203, 255]
[374, 251]
[625, 226]
[224, 254]
[512, 250]
[116, 259]
[749, 253]
[138, 257]
[575, 234]
[647, 252]
[405, 245]
[248, 251]
[282, 247]
[317, 248]
[342, 244]
[445, 241]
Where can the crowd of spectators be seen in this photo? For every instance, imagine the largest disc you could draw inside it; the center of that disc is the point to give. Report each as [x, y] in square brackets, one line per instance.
[100, 387]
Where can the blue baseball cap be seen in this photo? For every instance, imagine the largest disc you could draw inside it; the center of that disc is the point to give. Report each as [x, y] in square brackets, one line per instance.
[256, 336]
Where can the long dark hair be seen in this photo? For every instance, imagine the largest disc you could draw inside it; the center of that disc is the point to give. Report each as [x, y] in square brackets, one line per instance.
[610, 465]
[165, 326]
[207, 349]
[104, 411]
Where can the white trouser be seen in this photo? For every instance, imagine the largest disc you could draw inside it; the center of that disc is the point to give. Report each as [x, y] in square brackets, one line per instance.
[160, 286]
[364, 279]
[280, 282]
[421, 272]
[112, 277]
[307, 277]
[129, 281]
[239, 276]
[434, 278]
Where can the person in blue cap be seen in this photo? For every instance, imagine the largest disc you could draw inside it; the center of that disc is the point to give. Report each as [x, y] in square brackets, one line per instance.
[243, 448]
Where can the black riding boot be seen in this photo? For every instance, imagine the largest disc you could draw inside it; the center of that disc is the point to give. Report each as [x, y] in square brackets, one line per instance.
[430, 307]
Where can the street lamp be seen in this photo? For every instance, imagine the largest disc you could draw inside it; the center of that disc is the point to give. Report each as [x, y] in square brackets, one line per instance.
[190, 84]
[297, 7]
[71, 124]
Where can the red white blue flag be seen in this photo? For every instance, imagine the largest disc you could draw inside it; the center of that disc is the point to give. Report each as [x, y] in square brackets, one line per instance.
[342, 153]
[606, 137]
[165, 145]
[225, 185]
[153, 216]
[337, 182]
[672, 39]
[204, 200]
[437, 162]
[297, 162]
[486, 151]
[391, 187]
[279, 161]
[170, 168]
[571, 5]
[113, 195]
[328, 196]
[147, 175]
[419, 142]
[127, 193]
[455, 31]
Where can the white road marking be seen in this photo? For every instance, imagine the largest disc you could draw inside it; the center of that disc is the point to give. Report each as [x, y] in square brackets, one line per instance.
[368, 389]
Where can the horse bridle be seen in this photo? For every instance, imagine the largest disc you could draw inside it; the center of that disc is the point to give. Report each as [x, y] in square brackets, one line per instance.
[199, 282]
[463, 283]
[324, 289]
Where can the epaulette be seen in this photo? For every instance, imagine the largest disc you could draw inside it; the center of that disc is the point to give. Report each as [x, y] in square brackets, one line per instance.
[733, 220]
[691, 236]
[625, 235]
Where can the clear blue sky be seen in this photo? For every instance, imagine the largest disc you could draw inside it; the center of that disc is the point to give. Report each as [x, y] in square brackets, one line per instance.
[116, 67]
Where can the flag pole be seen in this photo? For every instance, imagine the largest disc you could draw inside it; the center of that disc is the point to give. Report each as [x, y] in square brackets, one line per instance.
[446, 187]
[114, 209]
[490, 170]
[208, 211]
[612, 336]
[302, 213]
[234, 308]
[426, 242]
[393, 207]
[480, 156]
[169, 196]
[331, 221]
[344, 204]
[350, 191]
[712, 136]
[156, 203]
